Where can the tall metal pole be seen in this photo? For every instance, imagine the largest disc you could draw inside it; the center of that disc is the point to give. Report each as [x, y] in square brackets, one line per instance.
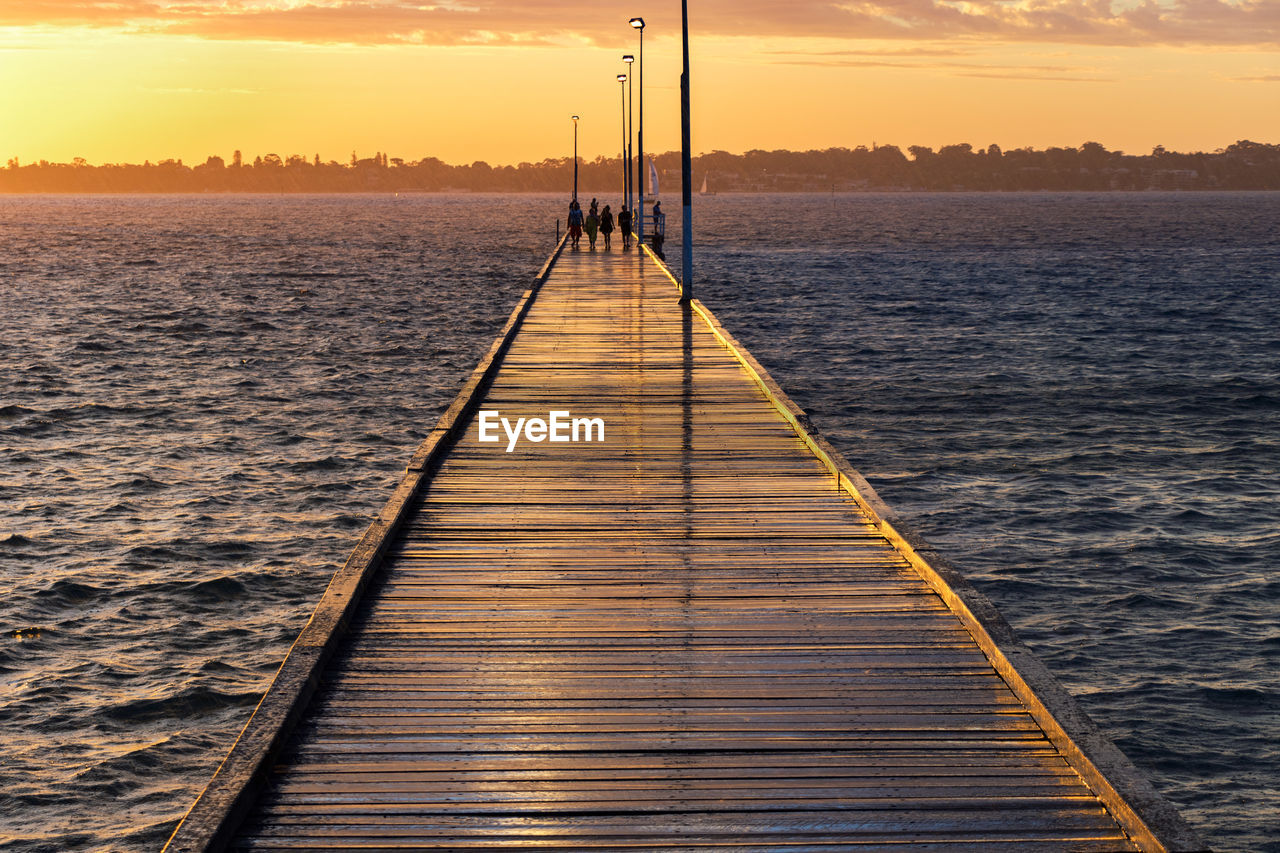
[575, 158]
[631, 126]
[640, 140]
[686, 165]
[622, 91]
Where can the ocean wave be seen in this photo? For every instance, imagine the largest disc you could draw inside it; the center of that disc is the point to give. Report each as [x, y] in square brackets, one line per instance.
[13, 412]
[201, 427]
[184, 704]
[67, 593]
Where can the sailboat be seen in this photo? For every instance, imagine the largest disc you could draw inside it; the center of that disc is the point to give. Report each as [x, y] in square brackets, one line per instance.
[704, 190]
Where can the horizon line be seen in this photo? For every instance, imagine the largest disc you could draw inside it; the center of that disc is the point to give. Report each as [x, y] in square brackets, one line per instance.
[384, 158]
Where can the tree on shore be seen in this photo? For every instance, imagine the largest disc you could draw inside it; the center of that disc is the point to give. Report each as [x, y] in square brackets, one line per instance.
[1244, 165]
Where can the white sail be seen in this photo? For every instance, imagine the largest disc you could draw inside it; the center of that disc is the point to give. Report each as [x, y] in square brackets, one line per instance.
[703, 191]
[653, 179]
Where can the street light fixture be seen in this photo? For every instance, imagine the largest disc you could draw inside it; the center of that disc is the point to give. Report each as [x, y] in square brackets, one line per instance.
[631, 126]
[575, 158]
[638, 23]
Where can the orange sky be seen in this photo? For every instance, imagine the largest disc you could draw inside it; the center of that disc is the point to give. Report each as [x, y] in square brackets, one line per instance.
[497, 80]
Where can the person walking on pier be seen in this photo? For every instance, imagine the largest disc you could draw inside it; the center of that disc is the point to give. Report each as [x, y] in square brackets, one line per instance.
[659, 229]
[575, 223]
[606, 225]
[624, 225]
[593, 223]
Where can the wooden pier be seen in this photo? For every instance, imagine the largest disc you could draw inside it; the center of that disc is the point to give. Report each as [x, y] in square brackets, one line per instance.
[704, 632]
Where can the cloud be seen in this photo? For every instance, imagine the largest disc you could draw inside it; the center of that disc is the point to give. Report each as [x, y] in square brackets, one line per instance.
[1033, 73]
[837, 57]
[18, 13]
[550, 22]
[855, 59]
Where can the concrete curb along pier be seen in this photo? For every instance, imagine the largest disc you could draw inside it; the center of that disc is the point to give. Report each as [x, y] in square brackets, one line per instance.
[703, 632]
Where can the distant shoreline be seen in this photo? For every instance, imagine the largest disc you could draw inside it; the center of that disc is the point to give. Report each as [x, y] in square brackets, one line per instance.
[1243, 165]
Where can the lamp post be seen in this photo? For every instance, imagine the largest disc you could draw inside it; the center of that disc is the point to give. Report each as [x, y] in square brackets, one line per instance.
[686, 165]
[622, 89]
[638, 23]
[575, 158]
[631, 126]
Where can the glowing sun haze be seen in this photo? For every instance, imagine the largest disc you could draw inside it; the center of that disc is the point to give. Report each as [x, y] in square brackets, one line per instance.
[497, 80]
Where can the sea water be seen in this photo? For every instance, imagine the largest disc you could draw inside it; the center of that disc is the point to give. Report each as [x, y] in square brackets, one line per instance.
[204, 400]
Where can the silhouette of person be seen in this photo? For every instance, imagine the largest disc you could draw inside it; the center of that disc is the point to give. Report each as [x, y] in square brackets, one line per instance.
[624, 225]
[606, 225]
[592, 224]
[575, 223]
[659, 234]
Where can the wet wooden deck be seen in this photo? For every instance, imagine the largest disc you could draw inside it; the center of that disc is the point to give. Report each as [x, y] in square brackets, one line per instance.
[686, 637]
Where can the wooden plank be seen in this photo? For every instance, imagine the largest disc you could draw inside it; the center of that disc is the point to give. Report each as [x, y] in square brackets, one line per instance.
[1146, 816]
[692, 635]
[219, 809]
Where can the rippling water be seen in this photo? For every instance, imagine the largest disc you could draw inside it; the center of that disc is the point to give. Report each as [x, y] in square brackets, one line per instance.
[205, 400]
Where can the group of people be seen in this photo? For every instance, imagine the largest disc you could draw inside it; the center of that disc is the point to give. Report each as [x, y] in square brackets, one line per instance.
[597, 221]
[601, 222]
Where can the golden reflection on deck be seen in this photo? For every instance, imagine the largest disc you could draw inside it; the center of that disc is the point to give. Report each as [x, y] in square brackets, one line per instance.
[683, 637]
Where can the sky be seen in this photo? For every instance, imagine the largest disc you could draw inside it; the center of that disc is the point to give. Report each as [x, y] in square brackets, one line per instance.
[497, 80]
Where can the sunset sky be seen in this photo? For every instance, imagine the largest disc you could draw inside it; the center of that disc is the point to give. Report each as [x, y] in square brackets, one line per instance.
[497, 80]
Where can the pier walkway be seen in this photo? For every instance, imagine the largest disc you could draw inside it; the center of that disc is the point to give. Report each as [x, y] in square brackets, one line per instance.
[702, 633]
